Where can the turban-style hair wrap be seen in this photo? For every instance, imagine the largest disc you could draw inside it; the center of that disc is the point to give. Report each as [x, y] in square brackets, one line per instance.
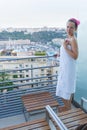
[77, 22]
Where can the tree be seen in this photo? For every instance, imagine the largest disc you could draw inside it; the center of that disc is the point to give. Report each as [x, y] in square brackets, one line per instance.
[5, 77]
[40, 53]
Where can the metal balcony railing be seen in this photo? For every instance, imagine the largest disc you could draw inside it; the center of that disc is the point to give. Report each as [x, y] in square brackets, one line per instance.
[23, 75]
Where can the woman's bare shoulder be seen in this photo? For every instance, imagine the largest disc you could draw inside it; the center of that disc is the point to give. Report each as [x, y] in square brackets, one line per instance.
[73, 40]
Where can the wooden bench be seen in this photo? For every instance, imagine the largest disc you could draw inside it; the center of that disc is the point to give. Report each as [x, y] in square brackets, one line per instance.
[73, 118]
[37, 102]
[37, 124]
[69, 120]
[41, 124]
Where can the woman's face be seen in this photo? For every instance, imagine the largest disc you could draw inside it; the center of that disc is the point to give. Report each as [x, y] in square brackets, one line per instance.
[70, 28]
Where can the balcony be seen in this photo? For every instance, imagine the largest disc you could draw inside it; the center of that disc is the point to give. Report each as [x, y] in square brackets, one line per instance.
[25, 75]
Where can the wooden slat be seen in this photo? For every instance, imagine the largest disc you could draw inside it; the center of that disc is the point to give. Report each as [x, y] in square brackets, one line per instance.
[41, 107]
[68, 116]
[74, 123]
[29, 99]
[40, 124]
[34, 94]
[73, 118]
[44, 99]
[37, 101]
[74, 110]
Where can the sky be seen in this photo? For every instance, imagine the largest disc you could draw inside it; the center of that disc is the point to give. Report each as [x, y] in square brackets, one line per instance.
[41, 13]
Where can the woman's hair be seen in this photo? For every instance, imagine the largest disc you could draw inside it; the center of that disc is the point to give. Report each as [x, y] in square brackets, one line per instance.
[75, 21]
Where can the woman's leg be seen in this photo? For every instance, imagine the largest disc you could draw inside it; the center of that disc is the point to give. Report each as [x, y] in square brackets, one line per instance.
[67, 105]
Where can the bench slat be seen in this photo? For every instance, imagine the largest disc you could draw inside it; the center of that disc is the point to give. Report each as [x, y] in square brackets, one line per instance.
[38, 124]
[75, 124]
[74, 110]
[73, 118]
[34, 94]
[37, 101]
[72, 115]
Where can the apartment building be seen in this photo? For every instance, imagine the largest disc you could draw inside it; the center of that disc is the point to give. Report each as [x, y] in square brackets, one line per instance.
[33, 69]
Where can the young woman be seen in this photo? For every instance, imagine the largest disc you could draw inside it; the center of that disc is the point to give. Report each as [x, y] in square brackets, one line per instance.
[67, 73]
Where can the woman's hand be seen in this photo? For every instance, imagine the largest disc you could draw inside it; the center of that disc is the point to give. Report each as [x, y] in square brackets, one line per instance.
[73, 52]
[66, 42]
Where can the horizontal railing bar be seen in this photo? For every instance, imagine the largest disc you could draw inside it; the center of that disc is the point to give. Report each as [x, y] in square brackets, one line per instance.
[24, 79]
[10, 109]
[14, 104]
[25, 84]
[22, 58]
[49, 86]
[19, 92]
[32, 68]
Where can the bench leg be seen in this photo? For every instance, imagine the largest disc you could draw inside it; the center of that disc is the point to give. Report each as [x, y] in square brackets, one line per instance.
[26, 114]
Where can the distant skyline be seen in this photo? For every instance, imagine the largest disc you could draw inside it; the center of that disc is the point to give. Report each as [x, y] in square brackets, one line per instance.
[40, 13]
